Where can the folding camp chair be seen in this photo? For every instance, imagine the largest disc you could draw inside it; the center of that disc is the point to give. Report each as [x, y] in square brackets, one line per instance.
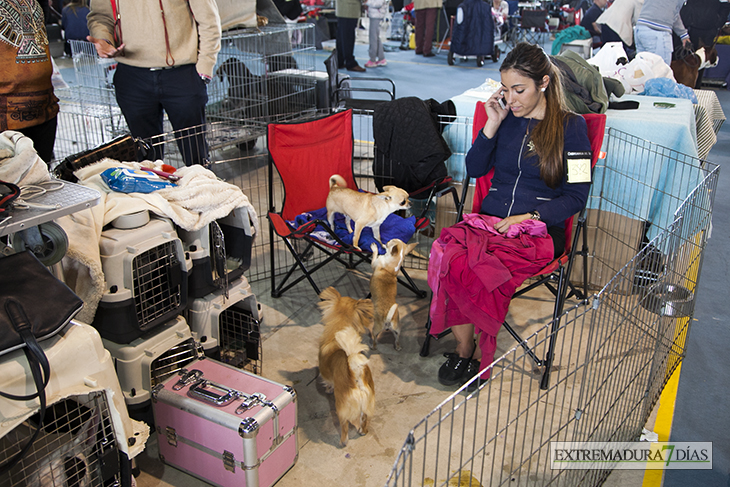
[556, 275]
[305, 155]
[534, 26]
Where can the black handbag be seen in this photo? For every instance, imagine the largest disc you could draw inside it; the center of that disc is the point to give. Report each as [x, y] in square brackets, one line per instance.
[34, 306]
[124, 148]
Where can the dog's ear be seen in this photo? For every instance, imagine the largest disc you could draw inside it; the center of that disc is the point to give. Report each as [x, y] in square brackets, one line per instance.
[410, 247]
[329, 294]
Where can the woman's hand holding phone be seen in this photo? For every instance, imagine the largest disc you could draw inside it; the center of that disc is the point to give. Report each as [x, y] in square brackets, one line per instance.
[497, 111]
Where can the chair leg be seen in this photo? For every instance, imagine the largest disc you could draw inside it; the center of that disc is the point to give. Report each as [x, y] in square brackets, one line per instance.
[557, 312]
[523, 344]
[425, 348]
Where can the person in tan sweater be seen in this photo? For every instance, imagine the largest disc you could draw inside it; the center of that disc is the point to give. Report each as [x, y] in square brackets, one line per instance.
[166, 51]
[27, 102]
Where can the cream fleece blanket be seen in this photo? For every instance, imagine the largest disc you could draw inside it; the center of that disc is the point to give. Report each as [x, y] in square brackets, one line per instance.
[198, 198]
[19, 162]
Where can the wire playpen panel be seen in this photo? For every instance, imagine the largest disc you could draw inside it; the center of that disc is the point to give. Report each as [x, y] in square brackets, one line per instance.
[615, 351]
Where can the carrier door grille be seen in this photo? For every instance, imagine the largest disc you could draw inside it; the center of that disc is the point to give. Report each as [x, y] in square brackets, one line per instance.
[173, 360]
[157, 280]
[240, 339]
[75, 447]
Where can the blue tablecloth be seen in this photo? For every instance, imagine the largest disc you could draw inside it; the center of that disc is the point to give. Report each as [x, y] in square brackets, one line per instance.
[653, 166]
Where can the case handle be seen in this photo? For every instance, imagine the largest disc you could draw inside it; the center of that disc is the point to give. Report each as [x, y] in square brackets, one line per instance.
[213, 393]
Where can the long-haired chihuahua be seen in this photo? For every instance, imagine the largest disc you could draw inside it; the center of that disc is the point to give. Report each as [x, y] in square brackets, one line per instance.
[343, 366]
[384, 289]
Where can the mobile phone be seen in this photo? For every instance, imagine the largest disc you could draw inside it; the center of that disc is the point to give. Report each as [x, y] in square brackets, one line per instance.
[501, 101]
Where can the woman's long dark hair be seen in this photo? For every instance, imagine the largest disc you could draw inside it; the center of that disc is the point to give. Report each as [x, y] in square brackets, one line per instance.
[548, 136]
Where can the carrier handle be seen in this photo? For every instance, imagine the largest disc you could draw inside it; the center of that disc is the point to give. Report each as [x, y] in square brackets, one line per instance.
[216, 394]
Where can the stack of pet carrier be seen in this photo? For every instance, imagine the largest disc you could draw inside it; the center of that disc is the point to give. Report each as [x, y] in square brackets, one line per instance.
[223, 313]
[139, 316]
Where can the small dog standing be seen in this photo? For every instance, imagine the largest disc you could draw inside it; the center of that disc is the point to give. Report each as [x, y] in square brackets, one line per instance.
[384, 289]
[343, 366]
[366, 209]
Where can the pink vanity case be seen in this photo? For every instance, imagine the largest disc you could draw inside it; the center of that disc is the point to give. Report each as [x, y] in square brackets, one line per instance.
[225, 425]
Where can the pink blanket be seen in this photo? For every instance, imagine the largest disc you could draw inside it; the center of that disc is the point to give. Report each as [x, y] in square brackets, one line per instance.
[474, 271]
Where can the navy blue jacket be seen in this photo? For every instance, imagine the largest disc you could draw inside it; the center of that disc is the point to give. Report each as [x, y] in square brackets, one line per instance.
[516, 186]
[474, 36]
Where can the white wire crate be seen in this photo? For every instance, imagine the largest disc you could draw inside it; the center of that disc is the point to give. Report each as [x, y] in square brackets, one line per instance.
[263, 74]
[85, 120]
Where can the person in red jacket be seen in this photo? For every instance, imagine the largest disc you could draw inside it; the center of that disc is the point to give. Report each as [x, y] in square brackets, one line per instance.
[476, 266]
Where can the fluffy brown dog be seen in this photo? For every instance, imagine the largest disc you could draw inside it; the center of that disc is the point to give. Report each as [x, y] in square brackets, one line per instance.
[384, 289]
[365, 209]
[343, 366]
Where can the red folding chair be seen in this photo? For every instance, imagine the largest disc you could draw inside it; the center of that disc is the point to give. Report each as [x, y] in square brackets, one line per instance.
[306, 154]
[555, 276]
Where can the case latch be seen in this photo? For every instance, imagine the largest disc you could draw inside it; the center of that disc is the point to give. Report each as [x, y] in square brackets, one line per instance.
[188, 377]
[171, 436]
[229, 461]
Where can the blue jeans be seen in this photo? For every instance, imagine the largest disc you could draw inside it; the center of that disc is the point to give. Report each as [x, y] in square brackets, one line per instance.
[657, 41]
[143, 94]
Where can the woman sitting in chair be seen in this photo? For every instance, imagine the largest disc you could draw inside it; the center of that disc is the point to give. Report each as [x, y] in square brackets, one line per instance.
[529, 140]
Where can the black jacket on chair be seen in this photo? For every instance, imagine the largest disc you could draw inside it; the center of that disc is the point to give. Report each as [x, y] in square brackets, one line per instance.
[410, 152]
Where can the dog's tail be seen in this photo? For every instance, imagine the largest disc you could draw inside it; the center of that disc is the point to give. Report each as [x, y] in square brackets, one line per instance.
[391, 312]
[337, 180]
[349, 340]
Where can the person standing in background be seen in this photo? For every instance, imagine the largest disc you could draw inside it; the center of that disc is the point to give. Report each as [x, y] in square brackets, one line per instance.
[500, 12]
[426, 12]
[347, 13]
[166, 51]
[653, 32]
[377, 9]
[27, 102]
[618, 21]
[588, 22]
[73, 21]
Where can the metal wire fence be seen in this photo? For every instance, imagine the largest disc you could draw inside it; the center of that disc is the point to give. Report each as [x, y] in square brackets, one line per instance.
[615, 351]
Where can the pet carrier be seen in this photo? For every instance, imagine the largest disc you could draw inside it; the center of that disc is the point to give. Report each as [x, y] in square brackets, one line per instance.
[220, 252]
[86, 438]
[151, 359]
[227, 325]
[146, 274]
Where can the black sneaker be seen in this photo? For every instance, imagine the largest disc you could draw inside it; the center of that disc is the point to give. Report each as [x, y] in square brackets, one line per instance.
[453, 369]
[471, 370]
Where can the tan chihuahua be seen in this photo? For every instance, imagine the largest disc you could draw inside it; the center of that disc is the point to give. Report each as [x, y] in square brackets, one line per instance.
[366, 209]
[383, 289]
[342, 365]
